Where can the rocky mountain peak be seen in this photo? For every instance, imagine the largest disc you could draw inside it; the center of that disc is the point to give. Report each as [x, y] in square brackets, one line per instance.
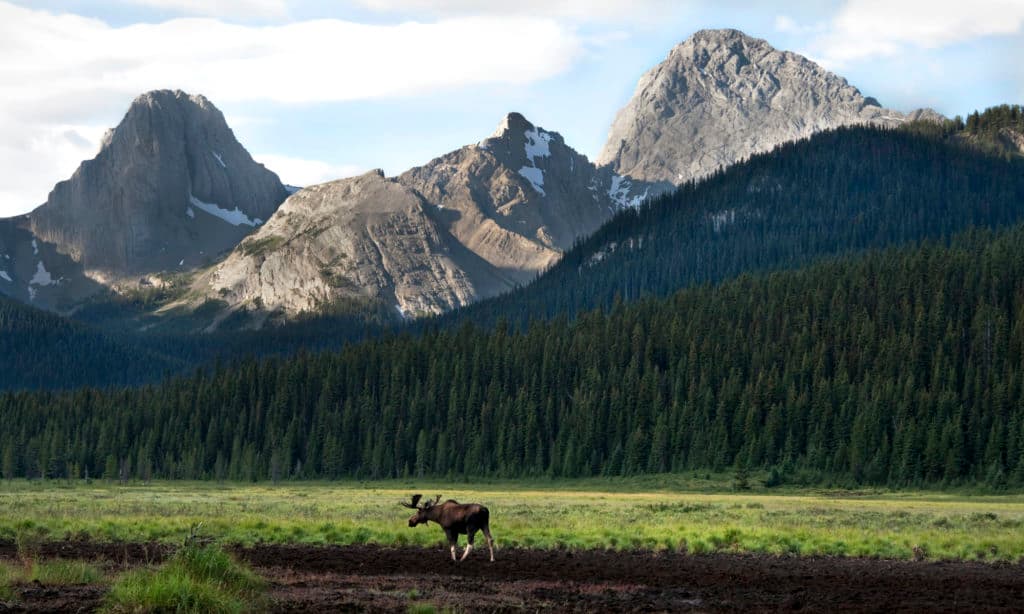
[170, 188]
[721, 96]
[513, 122]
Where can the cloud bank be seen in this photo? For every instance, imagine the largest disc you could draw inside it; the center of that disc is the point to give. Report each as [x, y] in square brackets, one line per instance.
[865, 29]
[66, 78]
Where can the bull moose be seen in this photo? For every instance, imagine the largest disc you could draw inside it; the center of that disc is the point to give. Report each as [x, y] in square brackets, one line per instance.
[456, 519]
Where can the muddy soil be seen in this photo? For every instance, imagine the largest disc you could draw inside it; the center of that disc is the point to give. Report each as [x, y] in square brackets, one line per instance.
[375, 578]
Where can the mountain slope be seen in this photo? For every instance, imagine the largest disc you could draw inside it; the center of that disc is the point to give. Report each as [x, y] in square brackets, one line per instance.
[721, 96]
[470, 224]
[836, 192]
[169, 190]
[43, 350]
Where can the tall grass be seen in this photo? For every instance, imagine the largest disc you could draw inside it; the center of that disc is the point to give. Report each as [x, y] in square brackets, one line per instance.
[682, 514]
[197, 579]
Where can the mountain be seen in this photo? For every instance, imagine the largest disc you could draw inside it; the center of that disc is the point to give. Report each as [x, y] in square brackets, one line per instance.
[834, 193]
[721, 96]
[468, 225]
[170, 190]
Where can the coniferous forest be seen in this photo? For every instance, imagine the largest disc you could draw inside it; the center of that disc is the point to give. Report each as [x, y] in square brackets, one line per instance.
[783, 314]
[900, 367]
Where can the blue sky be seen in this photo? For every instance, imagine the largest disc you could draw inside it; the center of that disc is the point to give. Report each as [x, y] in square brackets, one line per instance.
[319, 90]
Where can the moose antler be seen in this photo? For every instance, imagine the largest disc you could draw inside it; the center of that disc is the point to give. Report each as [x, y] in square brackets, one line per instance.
[415, 501]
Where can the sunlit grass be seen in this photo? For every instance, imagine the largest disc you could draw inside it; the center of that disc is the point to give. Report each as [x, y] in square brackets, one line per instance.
[197, 579]
[667, 514]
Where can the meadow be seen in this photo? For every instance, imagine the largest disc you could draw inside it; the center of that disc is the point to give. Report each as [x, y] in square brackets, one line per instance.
[652, 513]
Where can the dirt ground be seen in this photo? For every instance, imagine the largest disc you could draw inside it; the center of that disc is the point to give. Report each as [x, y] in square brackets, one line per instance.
[375, 578]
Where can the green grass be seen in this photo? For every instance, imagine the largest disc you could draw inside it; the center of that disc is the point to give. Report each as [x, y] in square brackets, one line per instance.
[61, 572]
[9, 575]
[196, 579]
[659, 513]
[54, 572]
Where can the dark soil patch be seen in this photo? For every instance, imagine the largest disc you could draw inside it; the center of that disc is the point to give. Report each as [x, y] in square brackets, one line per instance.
[37, 598]
[117, 554]
[376, 578]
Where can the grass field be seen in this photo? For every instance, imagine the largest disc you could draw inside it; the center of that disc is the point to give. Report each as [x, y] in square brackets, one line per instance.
[655, 513]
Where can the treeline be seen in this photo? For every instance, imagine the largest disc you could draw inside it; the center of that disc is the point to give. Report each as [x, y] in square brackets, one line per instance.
[900, 367]
[990, 131]
[43, 350]
[39, 349]
[834, 193]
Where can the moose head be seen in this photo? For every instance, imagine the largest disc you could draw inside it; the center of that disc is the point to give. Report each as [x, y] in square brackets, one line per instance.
[422, 511]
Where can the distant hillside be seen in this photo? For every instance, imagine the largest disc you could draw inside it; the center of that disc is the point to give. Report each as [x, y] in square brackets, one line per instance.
[41, 350]
[899, 367]
[997, 131]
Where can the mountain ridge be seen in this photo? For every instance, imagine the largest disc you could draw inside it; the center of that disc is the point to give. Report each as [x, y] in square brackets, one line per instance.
[169, 190]
[720, 96]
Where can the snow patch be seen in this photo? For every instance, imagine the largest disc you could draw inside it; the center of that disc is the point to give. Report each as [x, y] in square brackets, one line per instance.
[235, 217]
[536, 147]
[189, 212]
[536, 178]
[537, 144]
[35, 247]
[181, 262]
[619, 193]
[5, 276]
[42, 276]
[220, 160]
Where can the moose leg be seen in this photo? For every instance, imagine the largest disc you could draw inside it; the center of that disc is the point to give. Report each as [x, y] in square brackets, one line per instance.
[490, 542]
[453, 541]
[469, 545]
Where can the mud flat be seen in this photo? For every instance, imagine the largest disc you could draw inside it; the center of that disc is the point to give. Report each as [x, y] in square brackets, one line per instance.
[378, 578]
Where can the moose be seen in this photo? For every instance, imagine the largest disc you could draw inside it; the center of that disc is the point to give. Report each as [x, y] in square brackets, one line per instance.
[455, 518]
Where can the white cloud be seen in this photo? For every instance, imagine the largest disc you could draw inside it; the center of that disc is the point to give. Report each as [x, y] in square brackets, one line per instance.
[877, 28]
[67, 70]
[788, 25]
[580, 10]
[302, 172]
[219, 8]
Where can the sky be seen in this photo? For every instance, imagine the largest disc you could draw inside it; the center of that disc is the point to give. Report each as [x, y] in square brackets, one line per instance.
[323, 89]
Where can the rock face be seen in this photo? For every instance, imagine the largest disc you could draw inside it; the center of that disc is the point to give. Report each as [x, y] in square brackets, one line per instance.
[366, 239]
[169, 189]
[521, 196]
[467, 225]
[721, 96]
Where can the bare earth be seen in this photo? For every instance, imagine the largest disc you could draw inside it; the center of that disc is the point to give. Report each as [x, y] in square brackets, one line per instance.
[375, 578]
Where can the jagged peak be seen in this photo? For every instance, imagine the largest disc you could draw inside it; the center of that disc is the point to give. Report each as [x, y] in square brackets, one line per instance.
[513, 122]
[161, 97]
[716, 37]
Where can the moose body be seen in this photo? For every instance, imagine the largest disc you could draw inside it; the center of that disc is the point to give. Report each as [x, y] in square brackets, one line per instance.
[456, 519]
